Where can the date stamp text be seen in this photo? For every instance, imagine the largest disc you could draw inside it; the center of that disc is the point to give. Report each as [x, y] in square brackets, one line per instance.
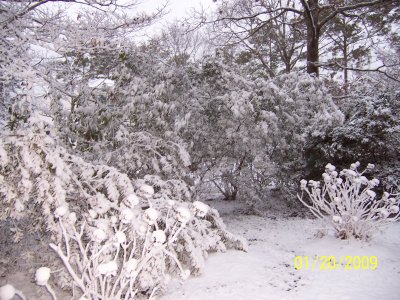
[348, 262]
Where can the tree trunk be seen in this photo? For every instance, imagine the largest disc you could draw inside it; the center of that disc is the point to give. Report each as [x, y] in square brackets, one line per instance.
[287, 67]
[312, 54]
[231, 194]
[345, 58]
[311, 15]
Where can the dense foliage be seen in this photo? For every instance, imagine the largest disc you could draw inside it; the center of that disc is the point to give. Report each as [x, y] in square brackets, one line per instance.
[369, 134]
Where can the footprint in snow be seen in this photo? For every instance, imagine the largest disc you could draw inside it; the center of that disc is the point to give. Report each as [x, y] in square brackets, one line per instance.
[284, 278]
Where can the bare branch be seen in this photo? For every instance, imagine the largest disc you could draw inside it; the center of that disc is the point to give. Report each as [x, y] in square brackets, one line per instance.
[378, 69]
[279, 9]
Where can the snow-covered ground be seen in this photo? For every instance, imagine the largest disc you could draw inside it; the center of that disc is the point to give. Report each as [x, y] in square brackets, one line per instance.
[267, 270]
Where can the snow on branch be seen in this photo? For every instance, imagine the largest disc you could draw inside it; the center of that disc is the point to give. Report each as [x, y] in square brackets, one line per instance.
[348, 202]
[115, 237]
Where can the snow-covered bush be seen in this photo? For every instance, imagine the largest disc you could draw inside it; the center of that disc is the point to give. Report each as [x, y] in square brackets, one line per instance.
[290, 108]
[249, 132]
[371, 132]
[127, 123]
[37, 176]
[269, 127]
[103, 223]
[137, 251]
[348, 201]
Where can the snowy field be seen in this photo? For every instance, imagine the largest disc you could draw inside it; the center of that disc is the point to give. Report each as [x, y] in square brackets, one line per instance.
[267, 270]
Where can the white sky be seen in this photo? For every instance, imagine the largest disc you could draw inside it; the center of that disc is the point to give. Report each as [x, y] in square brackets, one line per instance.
[177, 9]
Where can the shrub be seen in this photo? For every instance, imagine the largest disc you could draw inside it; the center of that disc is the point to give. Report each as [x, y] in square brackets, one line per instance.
[136, 251]
[114, 236]
[348, 202]
[371, 133]
[259, 131]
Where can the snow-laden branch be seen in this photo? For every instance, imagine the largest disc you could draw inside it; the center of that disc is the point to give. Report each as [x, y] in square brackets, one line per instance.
[280, 10]
[351, 7]
[382, 69]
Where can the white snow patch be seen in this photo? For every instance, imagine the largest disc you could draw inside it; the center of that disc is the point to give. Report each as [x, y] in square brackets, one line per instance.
[100, 82]
[42, 276]
[267, 270]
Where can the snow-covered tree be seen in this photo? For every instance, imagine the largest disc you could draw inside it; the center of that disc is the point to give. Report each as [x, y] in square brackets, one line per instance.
[35, 33]
[259, 128]
[124, 116]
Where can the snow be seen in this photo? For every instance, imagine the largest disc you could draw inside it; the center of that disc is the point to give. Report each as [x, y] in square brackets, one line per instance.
[184, 214]
[127, 216]
[7, 292]
[130, 268]
[100, 82]
[107, 269]
[72, 218]
[394, 209]
[337, 219]
[374, 182]
[371, 193]
[42, 276]
[99, 235]
[60, 211]
[3, 157]
[330, 167]
[120, 237]
[267, 270]
[201, 208]
[147, 190]
[384, 213]
[159, 236]
[151, 214]
[132, 200]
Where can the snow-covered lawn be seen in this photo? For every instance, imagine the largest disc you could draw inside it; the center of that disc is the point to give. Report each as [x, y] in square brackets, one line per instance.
[267, 270]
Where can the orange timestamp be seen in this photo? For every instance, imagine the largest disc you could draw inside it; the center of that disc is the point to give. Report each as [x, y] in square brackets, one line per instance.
[347, 262]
